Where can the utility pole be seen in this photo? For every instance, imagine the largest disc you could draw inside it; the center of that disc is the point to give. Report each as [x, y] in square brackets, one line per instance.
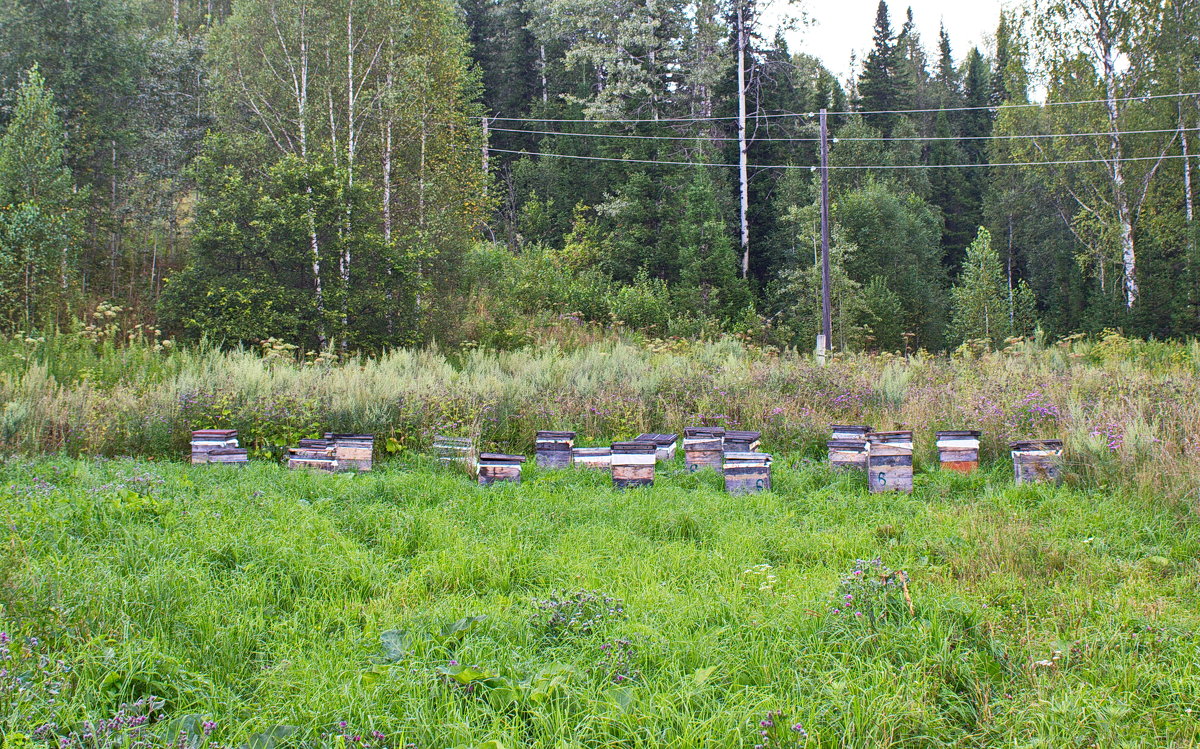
[826, 321]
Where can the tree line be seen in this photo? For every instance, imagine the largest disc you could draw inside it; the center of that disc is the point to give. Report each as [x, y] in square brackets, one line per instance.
[354, 175]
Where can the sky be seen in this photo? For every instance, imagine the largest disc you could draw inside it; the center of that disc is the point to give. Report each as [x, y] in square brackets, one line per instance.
[843, 26]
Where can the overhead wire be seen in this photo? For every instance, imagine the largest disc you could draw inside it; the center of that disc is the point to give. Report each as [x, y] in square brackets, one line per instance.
[1060, 162]
[932, 110]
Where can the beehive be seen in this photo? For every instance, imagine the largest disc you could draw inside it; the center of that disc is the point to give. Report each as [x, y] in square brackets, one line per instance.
[958, 450]
[311, 453]
[1037, 460]
[848, 446]
[890, 461]
[553, 449]
[353, 452]
[592, 457]
[848, 454]
[633, 463]
[742, 442]
[455, 451]
[234, 455]
[664, 445]
[703, 447]
[204, 441]
[494, 467]
[747, 472]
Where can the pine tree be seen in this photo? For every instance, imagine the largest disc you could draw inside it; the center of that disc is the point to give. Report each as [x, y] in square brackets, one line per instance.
[979, 309]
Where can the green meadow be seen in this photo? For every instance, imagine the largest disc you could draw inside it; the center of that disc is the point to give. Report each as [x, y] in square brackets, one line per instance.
[154, 604]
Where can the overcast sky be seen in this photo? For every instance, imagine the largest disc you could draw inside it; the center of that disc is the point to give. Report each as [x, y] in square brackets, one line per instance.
[843, 26]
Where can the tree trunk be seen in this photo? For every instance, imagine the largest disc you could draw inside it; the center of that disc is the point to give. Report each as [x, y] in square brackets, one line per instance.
[743, 172]
[1120, 197]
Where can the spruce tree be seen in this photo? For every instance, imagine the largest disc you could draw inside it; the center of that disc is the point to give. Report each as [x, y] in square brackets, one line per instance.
[877, 84]
[979, 309]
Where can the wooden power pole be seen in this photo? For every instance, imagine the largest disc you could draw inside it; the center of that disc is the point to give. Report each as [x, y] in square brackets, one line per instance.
[826, 321]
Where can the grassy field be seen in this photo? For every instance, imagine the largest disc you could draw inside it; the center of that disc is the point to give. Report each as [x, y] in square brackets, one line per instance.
[410, 607]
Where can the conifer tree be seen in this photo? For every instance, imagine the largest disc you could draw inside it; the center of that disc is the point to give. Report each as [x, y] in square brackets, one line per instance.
[877, 84]
[979, 310]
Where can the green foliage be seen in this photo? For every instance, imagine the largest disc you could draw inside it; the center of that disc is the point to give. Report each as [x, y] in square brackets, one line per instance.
[980, 311]
[40, 216]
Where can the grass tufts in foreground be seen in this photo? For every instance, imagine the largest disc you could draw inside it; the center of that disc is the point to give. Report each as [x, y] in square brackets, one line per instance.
[409, 607]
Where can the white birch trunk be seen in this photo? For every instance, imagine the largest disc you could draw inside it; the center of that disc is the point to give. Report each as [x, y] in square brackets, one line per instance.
[1120, 197]
[743, 170]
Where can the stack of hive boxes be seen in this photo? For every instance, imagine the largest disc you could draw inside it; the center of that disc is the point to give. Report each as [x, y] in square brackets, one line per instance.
[633, 463]
[592, 457]
[312, 453]
[217, 446]
[703, 447]
[890, 461]
[1037, 460]
[848, 446]
[499, 467]
[352, 452]
[553, 449]
[958, 450]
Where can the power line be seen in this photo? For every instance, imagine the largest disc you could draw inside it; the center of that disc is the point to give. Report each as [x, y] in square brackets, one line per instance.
[626, 136]
[845, 166]
[988, 108]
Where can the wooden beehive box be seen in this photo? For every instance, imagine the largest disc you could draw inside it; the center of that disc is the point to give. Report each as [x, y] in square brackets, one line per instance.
[747, 471]
[848, 454]
[665, 445]
[633, 463]
[317, 454]
[494, 467]
[742, 442]
[848, 446]
[1037, 460]
[958, 450]
[703, 447]
[890, 461]
[204, 441]
[353, 452]
[553, 449]
[229, 455]
[599, 458]
[455, 451]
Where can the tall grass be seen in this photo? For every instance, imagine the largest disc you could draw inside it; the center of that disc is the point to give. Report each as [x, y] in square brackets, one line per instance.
[1128, 410]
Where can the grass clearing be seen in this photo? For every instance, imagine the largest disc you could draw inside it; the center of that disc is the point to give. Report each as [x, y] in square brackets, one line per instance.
[258, 597]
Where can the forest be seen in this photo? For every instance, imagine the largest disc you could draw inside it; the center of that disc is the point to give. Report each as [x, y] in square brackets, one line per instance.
[356, 175]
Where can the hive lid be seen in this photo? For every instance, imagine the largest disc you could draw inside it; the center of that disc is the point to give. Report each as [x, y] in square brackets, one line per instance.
[850, 428]
[214, 433]
[704, 431]
[633, 447]
[847, 444]
[965, 433]
[658, 439]
[902, 436]
[743, 436]
[1047, 444]
[501, 458]
[545, 435]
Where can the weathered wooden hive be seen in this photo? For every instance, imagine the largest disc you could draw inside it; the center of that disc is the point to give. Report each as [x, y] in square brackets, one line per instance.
[312, 453]
[235, 455]
[353, 452]
[553, 449]
[742, 442]
[848, 446]
[747, 471]
[664, 445]
[494, 467]
[633, 463]
[592, 457]
[205, 441]
[958, 450]
[1037, 460]
[703, 447]
[455, 451]
[890, 461]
